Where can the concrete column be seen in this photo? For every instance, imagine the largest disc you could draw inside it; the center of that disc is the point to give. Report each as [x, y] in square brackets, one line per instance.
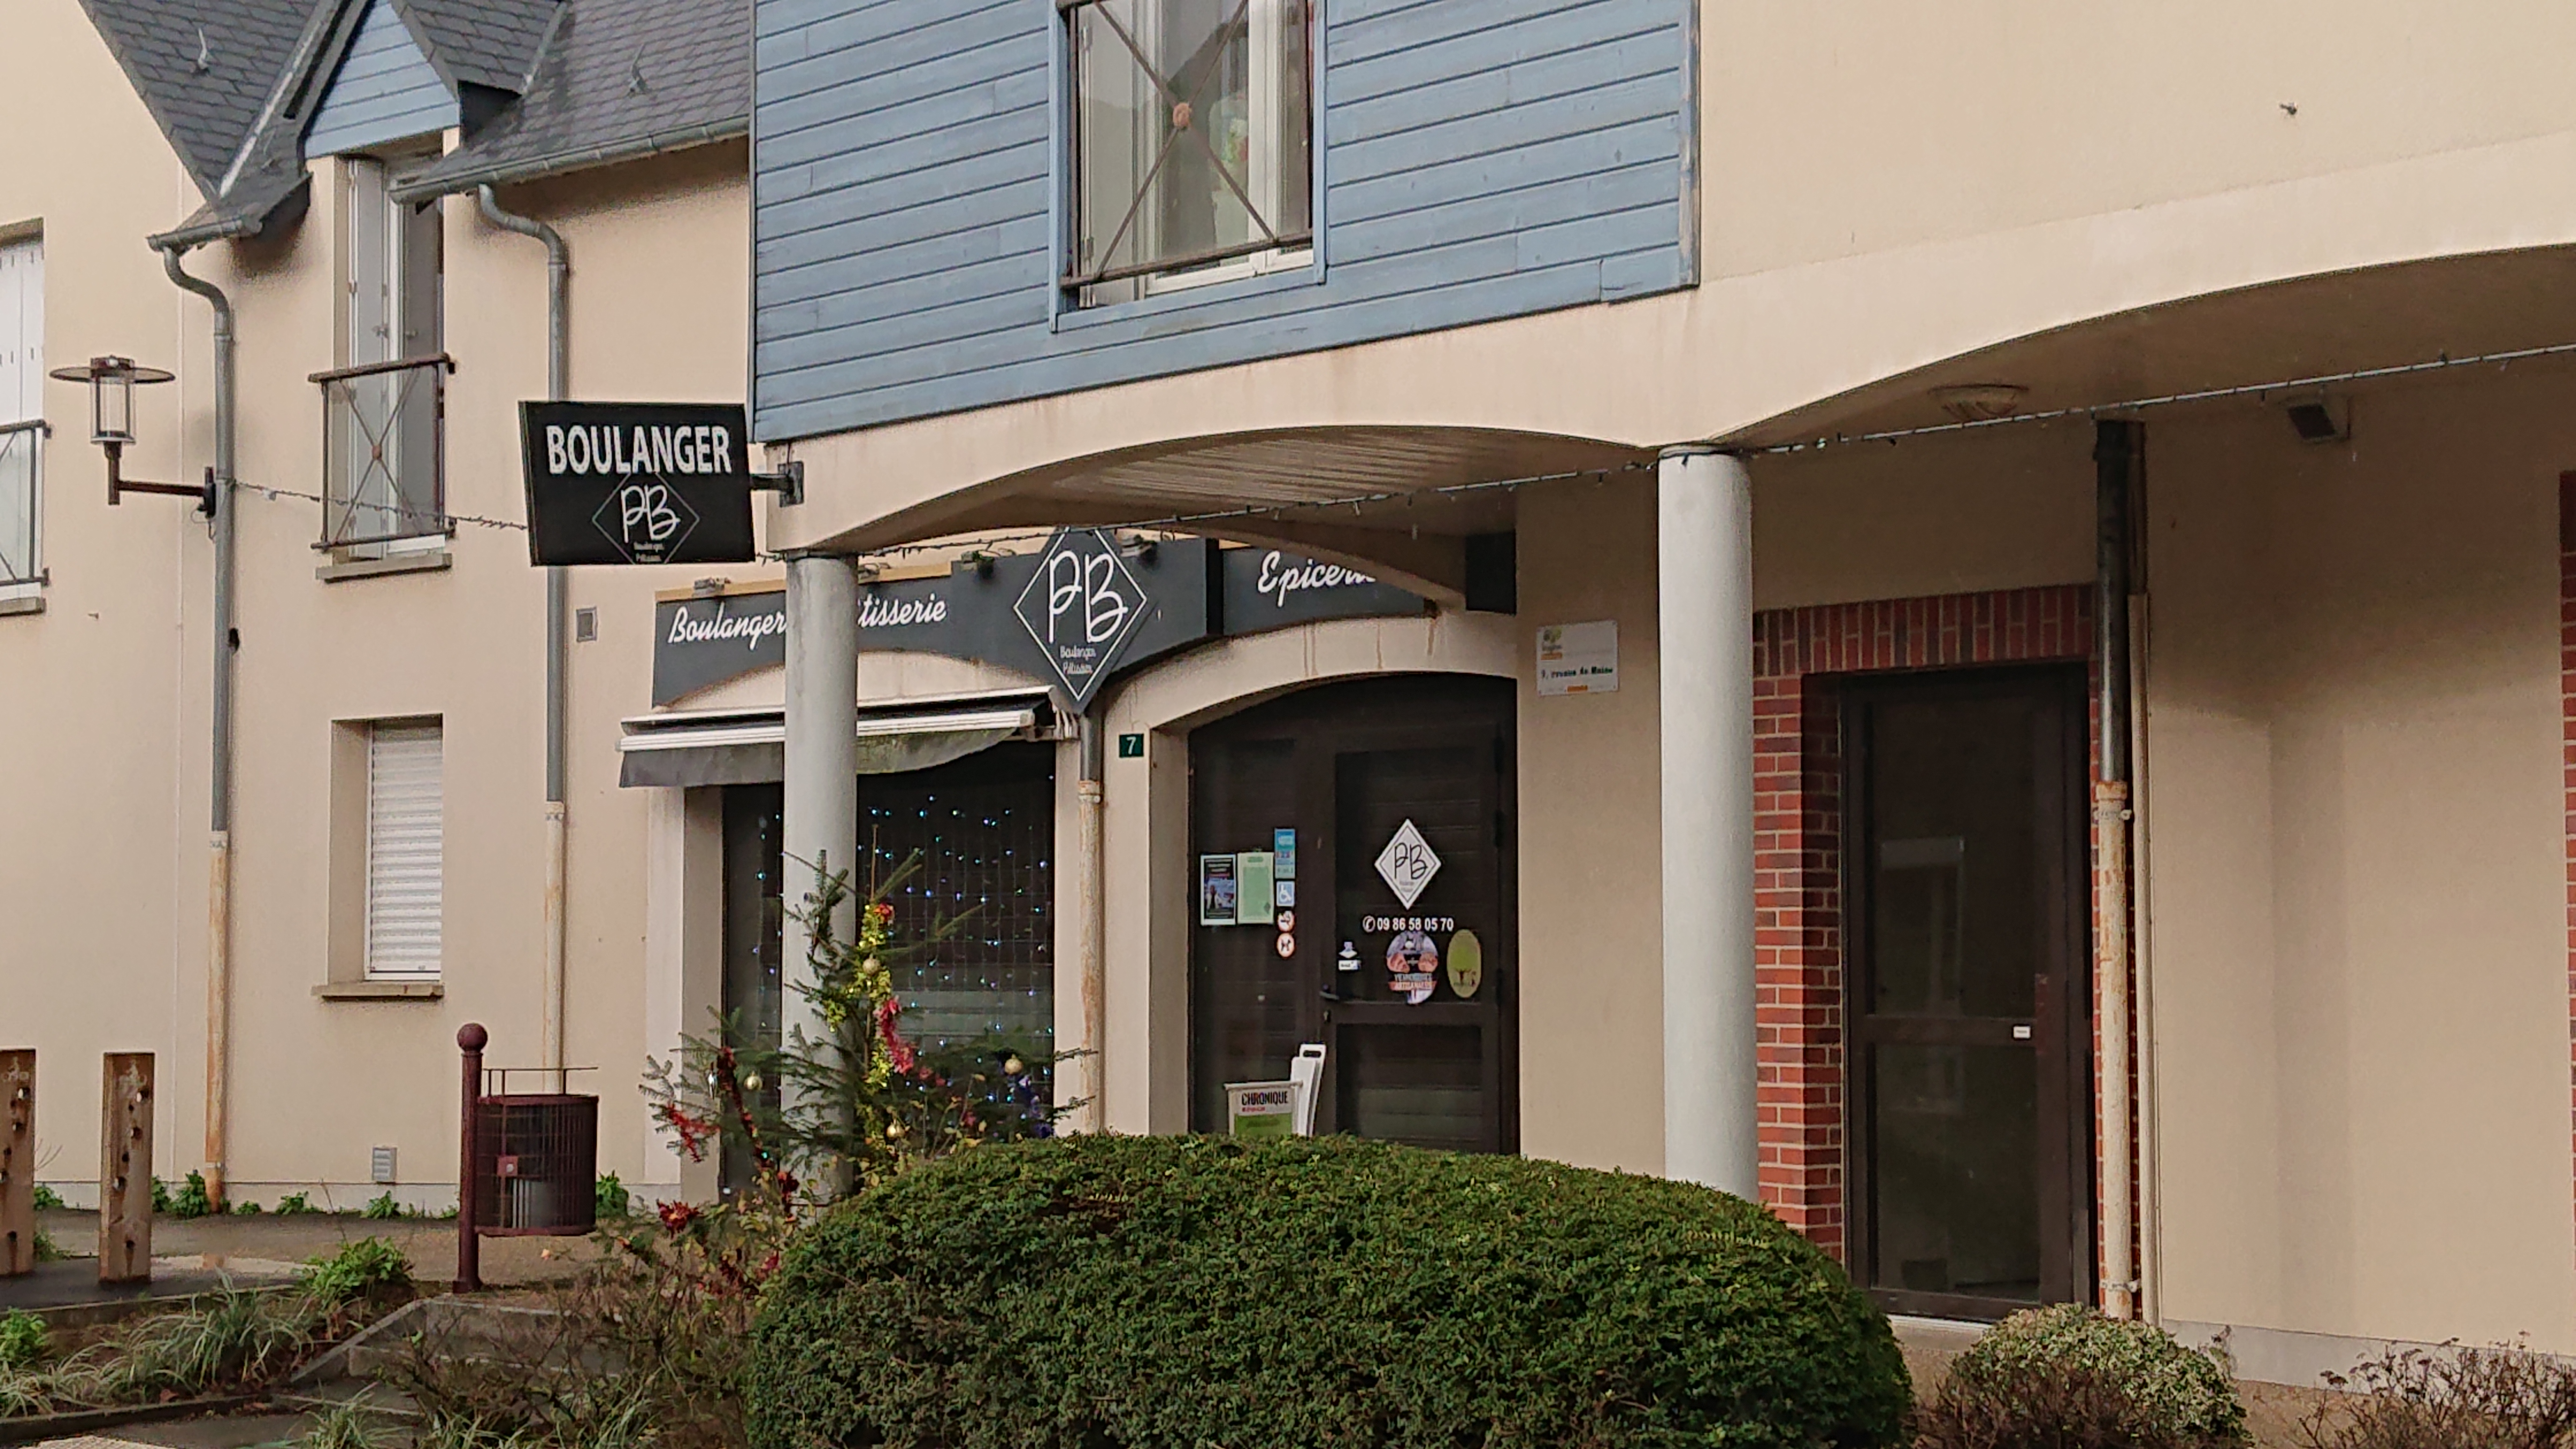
[822, 789]
[1704, 616]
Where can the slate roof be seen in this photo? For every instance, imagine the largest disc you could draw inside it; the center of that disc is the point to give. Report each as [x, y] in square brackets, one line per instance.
[617, 79]
[480, 42]
[591, 81]
[204, 68]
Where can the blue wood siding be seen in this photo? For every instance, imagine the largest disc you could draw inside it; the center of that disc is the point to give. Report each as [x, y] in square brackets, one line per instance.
[1481, 159]
[385, 91]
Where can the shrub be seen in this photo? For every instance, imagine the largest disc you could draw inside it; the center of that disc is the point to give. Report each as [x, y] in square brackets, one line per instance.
[47, 1200]
[647, 1341]
[1193, 1291]
[47, 1250]
[296, 1205]
[2065, 1377]
[23, 1339]
[2496, 1398]
[381, 1207]
[355, 1271]
[190, 1201]
[160, 1196]
[245, 1209]
[611, 1201]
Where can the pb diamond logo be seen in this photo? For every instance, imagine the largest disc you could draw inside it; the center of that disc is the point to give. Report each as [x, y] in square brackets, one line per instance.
[1407, 864]
[646, 518]
[1082, 606]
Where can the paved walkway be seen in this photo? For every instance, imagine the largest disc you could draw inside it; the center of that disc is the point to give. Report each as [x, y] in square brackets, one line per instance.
[193, 1255]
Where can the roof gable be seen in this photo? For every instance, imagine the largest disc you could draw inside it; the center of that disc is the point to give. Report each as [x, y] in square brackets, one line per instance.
[385, 90]
[491, 43]
[204, 70]
[618, 79]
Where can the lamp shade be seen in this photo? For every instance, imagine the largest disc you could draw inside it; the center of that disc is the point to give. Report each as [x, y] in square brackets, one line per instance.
[112, 381]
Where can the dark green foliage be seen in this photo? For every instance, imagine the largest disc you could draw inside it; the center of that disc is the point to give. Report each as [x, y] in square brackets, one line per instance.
[381, 1208]
[611, 1202]
[296, 1205]
[358, 1269]
[47, 1199]
[160, 1196]
[2065, 1377]
[190, 1201]
[1194, 1291]
[23, 1339]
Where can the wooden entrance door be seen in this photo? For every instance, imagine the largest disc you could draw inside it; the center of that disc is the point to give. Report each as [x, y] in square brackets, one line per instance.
[1415, 1000]
[1965, 873]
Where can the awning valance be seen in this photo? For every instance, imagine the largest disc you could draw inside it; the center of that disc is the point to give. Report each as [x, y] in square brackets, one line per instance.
[749, 747]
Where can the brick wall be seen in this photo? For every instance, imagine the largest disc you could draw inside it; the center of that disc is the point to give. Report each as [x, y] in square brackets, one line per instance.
[1798, 654]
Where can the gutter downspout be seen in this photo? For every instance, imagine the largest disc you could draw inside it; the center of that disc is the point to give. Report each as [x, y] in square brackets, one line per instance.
[219, 864]
[2117, 448]
[558, 365]
[1091, 919]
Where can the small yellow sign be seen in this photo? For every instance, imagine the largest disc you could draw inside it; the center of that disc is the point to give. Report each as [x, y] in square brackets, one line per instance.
[1466, 963]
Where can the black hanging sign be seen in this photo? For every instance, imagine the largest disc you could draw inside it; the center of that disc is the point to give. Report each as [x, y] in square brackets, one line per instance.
[636, 483]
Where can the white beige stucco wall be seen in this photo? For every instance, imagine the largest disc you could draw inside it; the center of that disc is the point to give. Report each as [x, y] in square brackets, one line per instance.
[102, 907]
[2357, 889]
[103, 835]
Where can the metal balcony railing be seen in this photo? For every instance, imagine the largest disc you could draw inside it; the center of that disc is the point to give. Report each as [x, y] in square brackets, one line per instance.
[384, 445]
[21, 465]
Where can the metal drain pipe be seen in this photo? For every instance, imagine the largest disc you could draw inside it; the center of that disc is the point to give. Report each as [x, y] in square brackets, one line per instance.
[2117, 448]
[219, 859]
[558, 591]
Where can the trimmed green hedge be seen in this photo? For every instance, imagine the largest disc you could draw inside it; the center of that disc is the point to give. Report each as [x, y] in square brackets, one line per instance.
[1190, 1292]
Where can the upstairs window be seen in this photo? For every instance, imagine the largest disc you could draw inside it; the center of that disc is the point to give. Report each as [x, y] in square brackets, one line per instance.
[1193, 142]
[383, 412]
[22, 414]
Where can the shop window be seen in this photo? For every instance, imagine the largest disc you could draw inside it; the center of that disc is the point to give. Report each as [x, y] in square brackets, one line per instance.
[383, 412]
[22, 416]
[984, 828]
[405, 865]
[1192, 142]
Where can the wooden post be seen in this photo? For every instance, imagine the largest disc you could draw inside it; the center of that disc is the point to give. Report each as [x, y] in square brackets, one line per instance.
[125, 1170]
[17, 1162]
[470, 1039]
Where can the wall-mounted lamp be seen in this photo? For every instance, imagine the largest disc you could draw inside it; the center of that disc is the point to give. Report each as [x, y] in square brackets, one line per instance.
[112, 381]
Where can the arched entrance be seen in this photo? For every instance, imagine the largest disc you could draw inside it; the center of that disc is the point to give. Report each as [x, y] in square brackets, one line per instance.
[1377, 817]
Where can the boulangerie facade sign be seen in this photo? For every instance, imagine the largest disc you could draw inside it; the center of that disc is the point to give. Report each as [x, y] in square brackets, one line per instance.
[636, 483]
[1076, 614]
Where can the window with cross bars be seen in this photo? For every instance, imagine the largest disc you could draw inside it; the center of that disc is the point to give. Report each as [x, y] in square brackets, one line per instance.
[1193, 142]
[383, 414]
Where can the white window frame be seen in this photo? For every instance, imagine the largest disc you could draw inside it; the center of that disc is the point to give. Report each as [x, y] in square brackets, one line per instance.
[394, 305]
[1267, 177]
[22, 404]
[396, 945]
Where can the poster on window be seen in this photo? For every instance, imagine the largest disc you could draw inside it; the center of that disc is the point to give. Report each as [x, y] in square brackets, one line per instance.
[1217, 890]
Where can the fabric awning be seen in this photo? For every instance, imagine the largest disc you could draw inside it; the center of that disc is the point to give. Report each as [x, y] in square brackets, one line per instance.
[749, 747]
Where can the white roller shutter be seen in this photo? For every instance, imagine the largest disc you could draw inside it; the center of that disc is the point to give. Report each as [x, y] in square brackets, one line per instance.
[406, 893]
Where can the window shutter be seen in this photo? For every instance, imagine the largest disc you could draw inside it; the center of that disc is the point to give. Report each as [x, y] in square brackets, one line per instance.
[22, 330]
[406, 892]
